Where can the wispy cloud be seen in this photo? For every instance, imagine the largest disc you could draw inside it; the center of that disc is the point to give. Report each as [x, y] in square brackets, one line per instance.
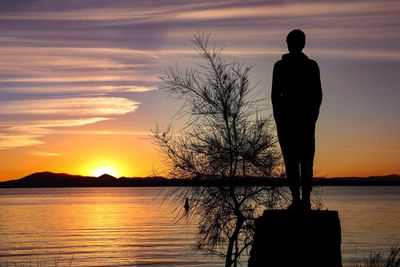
[105, 132]
[77, 106]
[62, 88]
[46, 154]
[47, 115]
[13, 141]
[39, 128]
[140, 12]
[294, 10]
[76, 69]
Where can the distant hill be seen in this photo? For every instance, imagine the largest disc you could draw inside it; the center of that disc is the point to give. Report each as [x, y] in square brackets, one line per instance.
[49, 179]
[392, 179]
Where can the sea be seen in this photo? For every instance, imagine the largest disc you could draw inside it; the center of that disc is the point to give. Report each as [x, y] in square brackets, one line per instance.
[137, 226]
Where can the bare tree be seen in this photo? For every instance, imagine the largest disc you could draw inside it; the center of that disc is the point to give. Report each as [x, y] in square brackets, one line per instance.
[225, 139]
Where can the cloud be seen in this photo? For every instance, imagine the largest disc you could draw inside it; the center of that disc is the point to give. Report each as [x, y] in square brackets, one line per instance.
[62, 88]
[292, 10]
[76, 69]
[21, 133]
[138, 12]
[46, 154]
[13, 141]
[105, 132]
[43, 127]
[360, 54]
[26, 122]
[75, 106]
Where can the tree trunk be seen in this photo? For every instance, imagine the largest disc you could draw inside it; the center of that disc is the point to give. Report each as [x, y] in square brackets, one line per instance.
[229, 252]
[235, 262]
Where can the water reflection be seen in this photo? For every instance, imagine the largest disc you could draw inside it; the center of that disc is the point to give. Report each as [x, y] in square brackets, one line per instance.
[129, 226]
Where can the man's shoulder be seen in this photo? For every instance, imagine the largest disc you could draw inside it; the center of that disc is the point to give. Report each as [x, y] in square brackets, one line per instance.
[286, 60]
[278, 63]
[313, 62]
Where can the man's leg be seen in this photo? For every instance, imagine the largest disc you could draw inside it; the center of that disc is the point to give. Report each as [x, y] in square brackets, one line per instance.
[293, 176]
[292, 164]
[306, 163]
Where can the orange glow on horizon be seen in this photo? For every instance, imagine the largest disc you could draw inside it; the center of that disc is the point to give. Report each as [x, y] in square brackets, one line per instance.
[99, 166]
[105, 170]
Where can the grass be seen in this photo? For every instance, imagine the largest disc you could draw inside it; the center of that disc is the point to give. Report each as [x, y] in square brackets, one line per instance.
[58, 262]
[374, 259]
[378, 259]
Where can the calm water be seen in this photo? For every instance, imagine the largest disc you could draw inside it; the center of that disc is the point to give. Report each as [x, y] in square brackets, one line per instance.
[131, 227]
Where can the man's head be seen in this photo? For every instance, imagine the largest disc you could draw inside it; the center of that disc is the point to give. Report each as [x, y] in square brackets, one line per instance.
[296, 40]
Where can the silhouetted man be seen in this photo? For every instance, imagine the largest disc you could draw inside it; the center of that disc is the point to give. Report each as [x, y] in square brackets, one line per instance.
[296, 98]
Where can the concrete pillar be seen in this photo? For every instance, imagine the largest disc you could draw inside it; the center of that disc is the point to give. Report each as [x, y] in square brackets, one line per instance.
[286, 238]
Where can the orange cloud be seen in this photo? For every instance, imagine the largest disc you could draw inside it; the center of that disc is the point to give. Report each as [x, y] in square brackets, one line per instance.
[70, 112]
[75, 106]
[12, 141]
[46, 154]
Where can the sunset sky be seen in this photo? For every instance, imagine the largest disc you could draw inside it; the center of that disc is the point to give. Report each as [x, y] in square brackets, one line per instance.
[79, 80]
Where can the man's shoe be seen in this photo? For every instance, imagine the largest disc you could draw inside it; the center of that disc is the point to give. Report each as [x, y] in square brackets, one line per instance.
[305, 204]
[295, 205]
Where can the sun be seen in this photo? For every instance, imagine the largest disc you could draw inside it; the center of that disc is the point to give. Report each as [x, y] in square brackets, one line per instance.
[98, 171]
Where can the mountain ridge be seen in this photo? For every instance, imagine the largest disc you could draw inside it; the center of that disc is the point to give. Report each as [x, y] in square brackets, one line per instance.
[50, 179]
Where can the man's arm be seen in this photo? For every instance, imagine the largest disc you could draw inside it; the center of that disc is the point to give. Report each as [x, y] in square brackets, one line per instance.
[276, 92]
[317, 91]
[318, 87]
